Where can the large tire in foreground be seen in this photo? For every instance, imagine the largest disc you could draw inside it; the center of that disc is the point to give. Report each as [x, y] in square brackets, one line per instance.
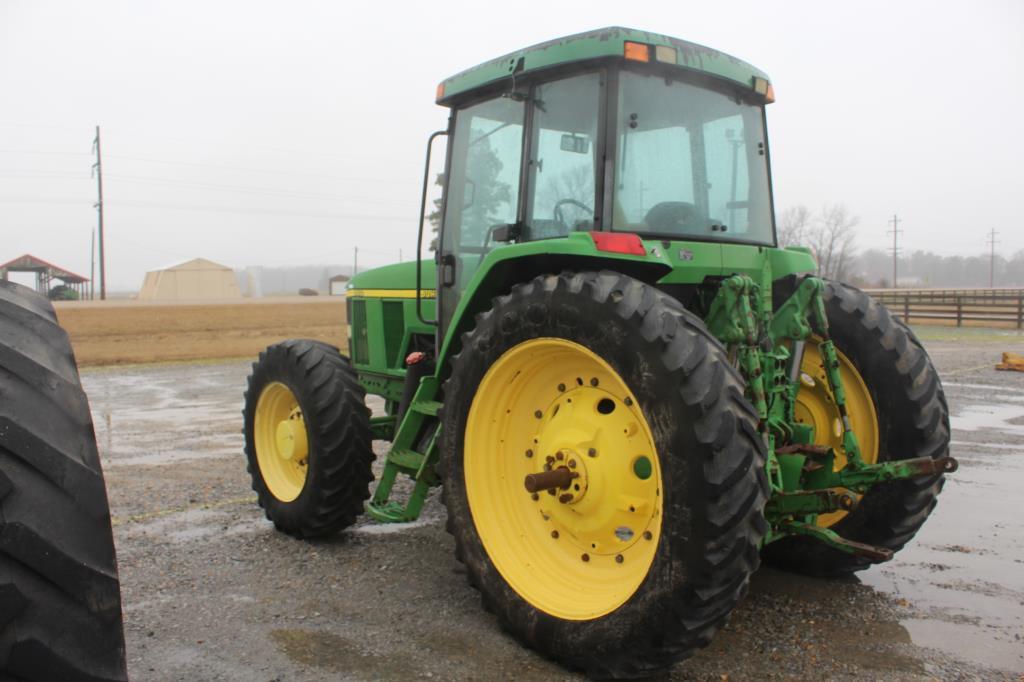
[638, 560]
[912, 420]
[307, 438]
[60, 601]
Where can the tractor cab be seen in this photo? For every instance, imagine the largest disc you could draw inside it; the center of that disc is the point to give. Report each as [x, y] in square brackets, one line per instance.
[611, 131]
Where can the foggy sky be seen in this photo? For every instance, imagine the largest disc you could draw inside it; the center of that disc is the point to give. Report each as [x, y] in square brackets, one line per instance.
[288, 133]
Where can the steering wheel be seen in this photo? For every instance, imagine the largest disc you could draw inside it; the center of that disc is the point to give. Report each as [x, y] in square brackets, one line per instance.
[569, 202]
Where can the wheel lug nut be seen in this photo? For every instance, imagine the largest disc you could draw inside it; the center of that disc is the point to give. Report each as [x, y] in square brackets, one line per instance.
[592, 452]
[585, 557]
[538, 414]
[534, 497]
[648, 535]
[559, 456]
[593, 381]
[572, 464]
[554, 534]
[561, 388]
[628, 401]
[567, 497]
[618, 559]
[529, 453]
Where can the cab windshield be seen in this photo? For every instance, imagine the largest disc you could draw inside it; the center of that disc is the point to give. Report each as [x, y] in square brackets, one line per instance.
[691, 163]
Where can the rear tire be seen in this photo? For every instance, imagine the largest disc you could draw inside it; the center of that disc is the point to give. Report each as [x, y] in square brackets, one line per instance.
[322, 488]
[708, 454]
[913, 421]
[60, 600]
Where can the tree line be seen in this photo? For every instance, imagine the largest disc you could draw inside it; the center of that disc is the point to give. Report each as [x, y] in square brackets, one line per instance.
[831, 233]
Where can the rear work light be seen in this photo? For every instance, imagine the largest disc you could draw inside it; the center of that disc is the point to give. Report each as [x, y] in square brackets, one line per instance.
[619, 242]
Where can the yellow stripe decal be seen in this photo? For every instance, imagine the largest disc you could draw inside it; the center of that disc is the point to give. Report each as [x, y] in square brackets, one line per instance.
[388, 293]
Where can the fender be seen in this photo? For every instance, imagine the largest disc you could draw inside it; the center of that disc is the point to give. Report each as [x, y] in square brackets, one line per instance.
[503, 267]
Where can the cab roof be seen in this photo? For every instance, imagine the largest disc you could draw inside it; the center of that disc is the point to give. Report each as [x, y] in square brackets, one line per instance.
[604, 42]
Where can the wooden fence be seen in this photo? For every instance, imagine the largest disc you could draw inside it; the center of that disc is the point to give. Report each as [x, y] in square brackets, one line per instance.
[980, 307]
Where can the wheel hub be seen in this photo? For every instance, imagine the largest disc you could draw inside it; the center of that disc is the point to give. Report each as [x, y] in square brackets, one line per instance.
[291, 439]
[602, 507]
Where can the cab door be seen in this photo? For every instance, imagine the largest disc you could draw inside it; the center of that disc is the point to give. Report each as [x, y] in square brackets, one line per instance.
[482, 192]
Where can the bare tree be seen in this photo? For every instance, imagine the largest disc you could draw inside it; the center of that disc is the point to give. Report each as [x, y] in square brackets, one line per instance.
[834, 241]
[829, 233]
[794, 223]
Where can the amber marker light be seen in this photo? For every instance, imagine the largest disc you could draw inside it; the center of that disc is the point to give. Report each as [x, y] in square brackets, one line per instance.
[440, 92]
[638, 52]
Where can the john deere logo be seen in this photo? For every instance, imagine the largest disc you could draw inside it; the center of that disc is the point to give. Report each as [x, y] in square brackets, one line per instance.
[685, 254]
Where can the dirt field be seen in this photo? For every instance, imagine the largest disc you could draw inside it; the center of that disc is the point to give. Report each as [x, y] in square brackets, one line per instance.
[211, 591]
[128, 332]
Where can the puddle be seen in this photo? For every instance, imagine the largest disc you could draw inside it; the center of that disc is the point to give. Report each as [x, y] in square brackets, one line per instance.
[196, 524]
[989, 418]
[389, 528]
[962, 577]
[975, 643]
[327, 650]
[169, 457]
[957, 444]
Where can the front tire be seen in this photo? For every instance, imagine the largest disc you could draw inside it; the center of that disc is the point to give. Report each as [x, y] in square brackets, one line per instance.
[307, 438]
[571, 576]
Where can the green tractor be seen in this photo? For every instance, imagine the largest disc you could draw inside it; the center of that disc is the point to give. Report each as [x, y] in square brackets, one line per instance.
[630, 394]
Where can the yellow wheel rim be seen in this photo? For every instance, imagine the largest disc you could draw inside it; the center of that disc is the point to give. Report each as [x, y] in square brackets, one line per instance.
[816, 406]
[282, 448]
[578, 552]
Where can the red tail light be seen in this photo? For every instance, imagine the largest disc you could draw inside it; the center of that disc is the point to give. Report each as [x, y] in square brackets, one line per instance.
[619, 242]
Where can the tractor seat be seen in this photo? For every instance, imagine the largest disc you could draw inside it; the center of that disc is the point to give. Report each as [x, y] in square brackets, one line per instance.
[546, 229]
[679, 217]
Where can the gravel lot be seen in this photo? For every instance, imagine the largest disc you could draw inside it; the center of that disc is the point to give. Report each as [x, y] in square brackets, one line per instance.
[211, 591]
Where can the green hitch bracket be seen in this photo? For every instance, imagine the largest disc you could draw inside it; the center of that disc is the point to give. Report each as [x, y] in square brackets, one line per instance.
[809, 502]
[862, 478]
[835, 541]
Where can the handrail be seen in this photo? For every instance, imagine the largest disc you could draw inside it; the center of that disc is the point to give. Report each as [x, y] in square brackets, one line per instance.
[419, 236]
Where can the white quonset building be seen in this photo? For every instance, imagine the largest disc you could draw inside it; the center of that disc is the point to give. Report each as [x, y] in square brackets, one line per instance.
[196, 279]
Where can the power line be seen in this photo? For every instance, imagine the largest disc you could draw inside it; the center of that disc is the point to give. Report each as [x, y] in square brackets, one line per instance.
[130, 204]
[991, 241]
[98, 167]
[895, 232]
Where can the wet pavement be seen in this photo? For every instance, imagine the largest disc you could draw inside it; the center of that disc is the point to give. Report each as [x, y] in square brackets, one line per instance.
[211, 591]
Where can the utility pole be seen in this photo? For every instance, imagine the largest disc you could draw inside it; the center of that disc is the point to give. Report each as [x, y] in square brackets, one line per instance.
[98, 170]
[895, 232]
[355, 262]
[92, 266]
[992, 258]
